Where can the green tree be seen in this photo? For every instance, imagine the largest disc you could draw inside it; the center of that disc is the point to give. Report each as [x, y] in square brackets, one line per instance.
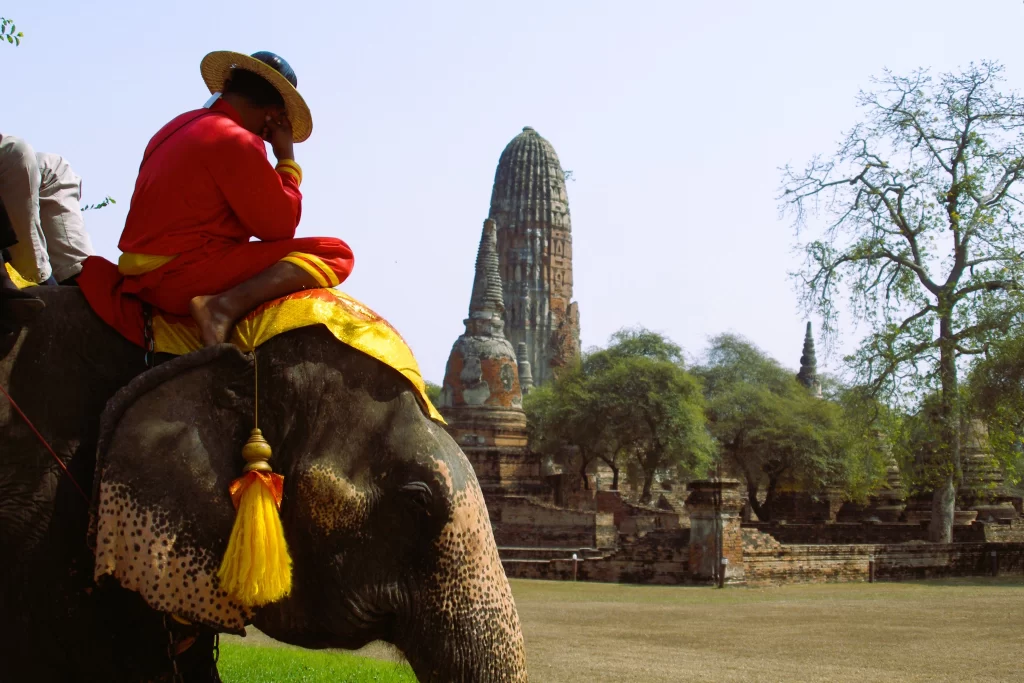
[870, 430]
[562, 421]
[433, 392]
[919, 446]
[922, 233]
[770, 428]
[632, 400]
[639, 342]
[996, 394]
[655, 413]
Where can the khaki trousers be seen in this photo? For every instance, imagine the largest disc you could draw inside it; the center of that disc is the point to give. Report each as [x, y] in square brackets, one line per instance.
[42, 196]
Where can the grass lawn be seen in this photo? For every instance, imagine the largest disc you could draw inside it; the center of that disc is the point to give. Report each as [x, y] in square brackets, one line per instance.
[956, 630]
[261, 664]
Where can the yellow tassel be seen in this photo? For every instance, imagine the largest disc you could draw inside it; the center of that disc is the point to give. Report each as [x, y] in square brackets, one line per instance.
[257, 568]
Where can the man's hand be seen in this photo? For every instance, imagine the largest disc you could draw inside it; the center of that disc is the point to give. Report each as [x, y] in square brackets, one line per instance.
[278, 132]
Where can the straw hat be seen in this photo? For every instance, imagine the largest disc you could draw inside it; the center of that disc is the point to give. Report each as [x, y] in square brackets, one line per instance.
[216, 69]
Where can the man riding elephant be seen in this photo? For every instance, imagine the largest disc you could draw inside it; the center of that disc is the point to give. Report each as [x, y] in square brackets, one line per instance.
[205, 188]
[116, 506]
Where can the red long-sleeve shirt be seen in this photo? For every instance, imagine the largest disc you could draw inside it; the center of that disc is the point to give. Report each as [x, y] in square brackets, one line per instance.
[206, 183]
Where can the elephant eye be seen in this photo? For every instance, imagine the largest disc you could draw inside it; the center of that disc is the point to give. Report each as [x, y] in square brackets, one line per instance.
[418, 493]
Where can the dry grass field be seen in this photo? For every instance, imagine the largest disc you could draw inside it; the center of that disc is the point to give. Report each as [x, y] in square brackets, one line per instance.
[929, 631]
[957, 630]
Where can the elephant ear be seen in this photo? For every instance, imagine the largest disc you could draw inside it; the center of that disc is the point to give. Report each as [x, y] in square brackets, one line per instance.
[169, 448]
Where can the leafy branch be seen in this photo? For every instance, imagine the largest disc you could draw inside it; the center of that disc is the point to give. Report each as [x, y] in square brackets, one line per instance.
[9, 31]
[106, 201]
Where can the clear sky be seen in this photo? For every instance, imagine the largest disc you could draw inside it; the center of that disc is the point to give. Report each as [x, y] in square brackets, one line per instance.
[673, 116]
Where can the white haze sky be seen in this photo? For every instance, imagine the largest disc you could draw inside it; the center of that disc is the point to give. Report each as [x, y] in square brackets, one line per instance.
[673, 116]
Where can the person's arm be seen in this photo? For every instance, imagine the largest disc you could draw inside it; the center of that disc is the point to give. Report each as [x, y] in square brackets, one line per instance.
[265, 199]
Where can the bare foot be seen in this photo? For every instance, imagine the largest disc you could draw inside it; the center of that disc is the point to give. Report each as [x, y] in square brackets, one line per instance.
[214, 321]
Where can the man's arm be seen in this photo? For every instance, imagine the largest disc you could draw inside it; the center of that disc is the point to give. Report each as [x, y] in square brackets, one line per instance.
[267, 201]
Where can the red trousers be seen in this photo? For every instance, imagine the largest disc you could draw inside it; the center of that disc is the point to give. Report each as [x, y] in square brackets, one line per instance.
[218, 269]
[118, 298]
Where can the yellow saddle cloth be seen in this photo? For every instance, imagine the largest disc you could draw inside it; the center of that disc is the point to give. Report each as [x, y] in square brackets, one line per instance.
[351, 322]
[17, 279]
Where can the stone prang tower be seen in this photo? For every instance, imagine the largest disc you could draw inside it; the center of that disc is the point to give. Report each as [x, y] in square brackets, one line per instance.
[530, 207]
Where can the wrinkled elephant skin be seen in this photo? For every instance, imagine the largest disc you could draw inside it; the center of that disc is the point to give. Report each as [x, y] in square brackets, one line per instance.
[383, 515]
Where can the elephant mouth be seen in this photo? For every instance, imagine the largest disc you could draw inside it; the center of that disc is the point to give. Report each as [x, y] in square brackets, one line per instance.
[346, 622]
[376, 612]
[369, 619]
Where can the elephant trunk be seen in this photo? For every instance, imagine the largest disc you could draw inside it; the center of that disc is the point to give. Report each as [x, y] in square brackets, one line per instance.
[467, 628]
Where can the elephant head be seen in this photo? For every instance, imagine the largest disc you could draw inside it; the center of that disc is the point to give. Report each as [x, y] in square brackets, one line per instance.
[382, 512]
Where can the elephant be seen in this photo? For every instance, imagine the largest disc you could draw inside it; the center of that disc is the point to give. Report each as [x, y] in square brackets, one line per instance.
[382, 512]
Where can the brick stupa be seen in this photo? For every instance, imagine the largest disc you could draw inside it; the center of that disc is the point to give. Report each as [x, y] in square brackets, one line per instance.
[983, 487]
[481, 398]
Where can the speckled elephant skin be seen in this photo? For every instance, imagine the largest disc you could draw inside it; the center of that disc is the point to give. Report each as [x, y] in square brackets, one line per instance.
[382, 512]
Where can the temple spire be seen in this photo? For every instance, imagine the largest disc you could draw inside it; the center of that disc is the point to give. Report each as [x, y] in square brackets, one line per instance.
[808, 375]
[480, 396]
[486, 304]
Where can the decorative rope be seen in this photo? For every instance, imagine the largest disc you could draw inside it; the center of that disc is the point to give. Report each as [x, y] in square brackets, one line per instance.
[42, 440]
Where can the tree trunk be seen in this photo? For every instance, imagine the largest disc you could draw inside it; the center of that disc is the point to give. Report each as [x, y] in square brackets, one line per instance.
[583, 475]
[943, 504]
[944, 499]
[615, 472]
[584, 462]
[645, 497]
[769, 496]
[759, 510]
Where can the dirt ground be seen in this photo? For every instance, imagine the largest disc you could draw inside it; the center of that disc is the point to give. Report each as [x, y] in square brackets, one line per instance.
[968, 630]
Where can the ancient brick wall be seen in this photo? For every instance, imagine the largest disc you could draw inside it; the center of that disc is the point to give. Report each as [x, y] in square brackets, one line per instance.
[767, 561]
[926, 561]
[635, 520]
[662, 557]
[659, 558]
[714, 508]
[1004, 531]
[846, 533]
[521, 522]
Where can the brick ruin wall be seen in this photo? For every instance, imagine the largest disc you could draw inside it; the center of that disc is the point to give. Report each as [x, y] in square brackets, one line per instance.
[848, 533]
[633, 520]
[768, 562]
[1003, 531]
[659, 558]
[755, 554]
[526, 523]
[663, 558]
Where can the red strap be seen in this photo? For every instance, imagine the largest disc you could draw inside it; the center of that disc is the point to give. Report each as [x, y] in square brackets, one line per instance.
[43, 441]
